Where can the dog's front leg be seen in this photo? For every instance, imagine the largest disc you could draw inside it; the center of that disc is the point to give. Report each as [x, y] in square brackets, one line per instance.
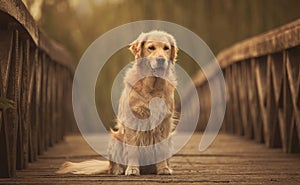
[116, 169]
[162, 152]
[132, 154]
[133, 161]
[162, 168]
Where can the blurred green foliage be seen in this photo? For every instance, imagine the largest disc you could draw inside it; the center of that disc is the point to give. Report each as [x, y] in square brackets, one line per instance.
[220, 23]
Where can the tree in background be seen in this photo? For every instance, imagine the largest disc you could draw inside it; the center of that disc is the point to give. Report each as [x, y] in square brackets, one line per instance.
[220, 23]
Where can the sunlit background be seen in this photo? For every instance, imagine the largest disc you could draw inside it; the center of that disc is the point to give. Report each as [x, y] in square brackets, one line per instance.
[220, 23]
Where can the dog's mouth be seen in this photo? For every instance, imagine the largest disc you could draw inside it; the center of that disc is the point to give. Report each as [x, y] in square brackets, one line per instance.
[159, 71]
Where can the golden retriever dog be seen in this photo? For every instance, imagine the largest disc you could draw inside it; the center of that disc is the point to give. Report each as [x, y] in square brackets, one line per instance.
[143, 122]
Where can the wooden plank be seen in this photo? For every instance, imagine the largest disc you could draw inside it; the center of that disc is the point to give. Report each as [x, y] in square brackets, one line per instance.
[30, 109]
[288, 105]
[25, 103]
[261, 80]
[293, 75]
[48, 102]
[4, 143]
[236, 104]
[229, 126]
[44, 107]
[60, 101]
[6, 46]
[260, 114]
[55, 88]
[230, 160]
[253, 102]
[249, 99]
[232, 98]
[272, 107]
[243, 94]
[20, 105]
[277, 71]
[12, 114]
[38, 99]
[51, 103]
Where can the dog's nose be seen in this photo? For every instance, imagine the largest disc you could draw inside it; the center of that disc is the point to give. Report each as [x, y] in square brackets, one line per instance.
[160, 61]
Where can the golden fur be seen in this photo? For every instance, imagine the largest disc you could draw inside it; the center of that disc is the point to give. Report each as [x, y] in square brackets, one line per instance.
[139, 91]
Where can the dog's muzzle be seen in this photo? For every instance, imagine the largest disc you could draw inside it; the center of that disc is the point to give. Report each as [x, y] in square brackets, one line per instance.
[159, 66]
[160, 62]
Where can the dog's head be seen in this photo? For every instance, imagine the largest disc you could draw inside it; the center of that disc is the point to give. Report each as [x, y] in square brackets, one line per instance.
[155, 50]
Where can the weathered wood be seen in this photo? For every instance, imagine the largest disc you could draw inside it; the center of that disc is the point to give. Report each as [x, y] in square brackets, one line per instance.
[6, 59]
[274, 41]
[292, 92]
[262, 77]
[254, 102]
[12, 114]
[272, 109]
[30, 108]
[230, 160]
[29, 77]
[20, 105]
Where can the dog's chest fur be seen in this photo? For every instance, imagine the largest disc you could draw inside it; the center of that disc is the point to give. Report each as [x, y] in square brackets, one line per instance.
[139, 94]
[139, 100]
[144, 91]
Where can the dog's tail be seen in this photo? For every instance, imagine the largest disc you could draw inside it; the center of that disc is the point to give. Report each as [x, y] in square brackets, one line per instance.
[90, 167]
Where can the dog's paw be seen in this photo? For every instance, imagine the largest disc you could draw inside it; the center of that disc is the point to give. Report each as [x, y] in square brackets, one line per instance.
[132, 171]
[117, 170]
[164, 171]
[141, 112]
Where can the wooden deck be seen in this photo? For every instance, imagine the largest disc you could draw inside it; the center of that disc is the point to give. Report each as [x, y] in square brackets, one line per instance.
[230, 160]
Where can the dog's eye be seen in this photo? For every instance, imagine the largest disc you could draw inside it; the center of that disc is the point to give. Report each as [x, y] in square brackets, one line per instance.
[166, 48]
[152, 48]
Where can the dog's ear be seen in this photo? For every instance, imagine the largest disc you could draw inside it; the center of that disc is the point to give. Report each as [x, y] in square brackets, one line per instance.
[136, 48]
[174, 51]
[174, 48]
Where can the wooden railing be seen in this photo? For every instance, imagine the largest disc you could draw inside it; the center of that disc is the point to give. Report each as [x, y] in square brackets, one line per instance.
[262, 77]
[36, 79]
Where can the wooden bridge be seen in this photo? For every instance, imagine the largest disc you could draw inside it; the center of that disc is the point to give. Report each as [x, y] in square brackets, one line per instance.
[258, 143]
